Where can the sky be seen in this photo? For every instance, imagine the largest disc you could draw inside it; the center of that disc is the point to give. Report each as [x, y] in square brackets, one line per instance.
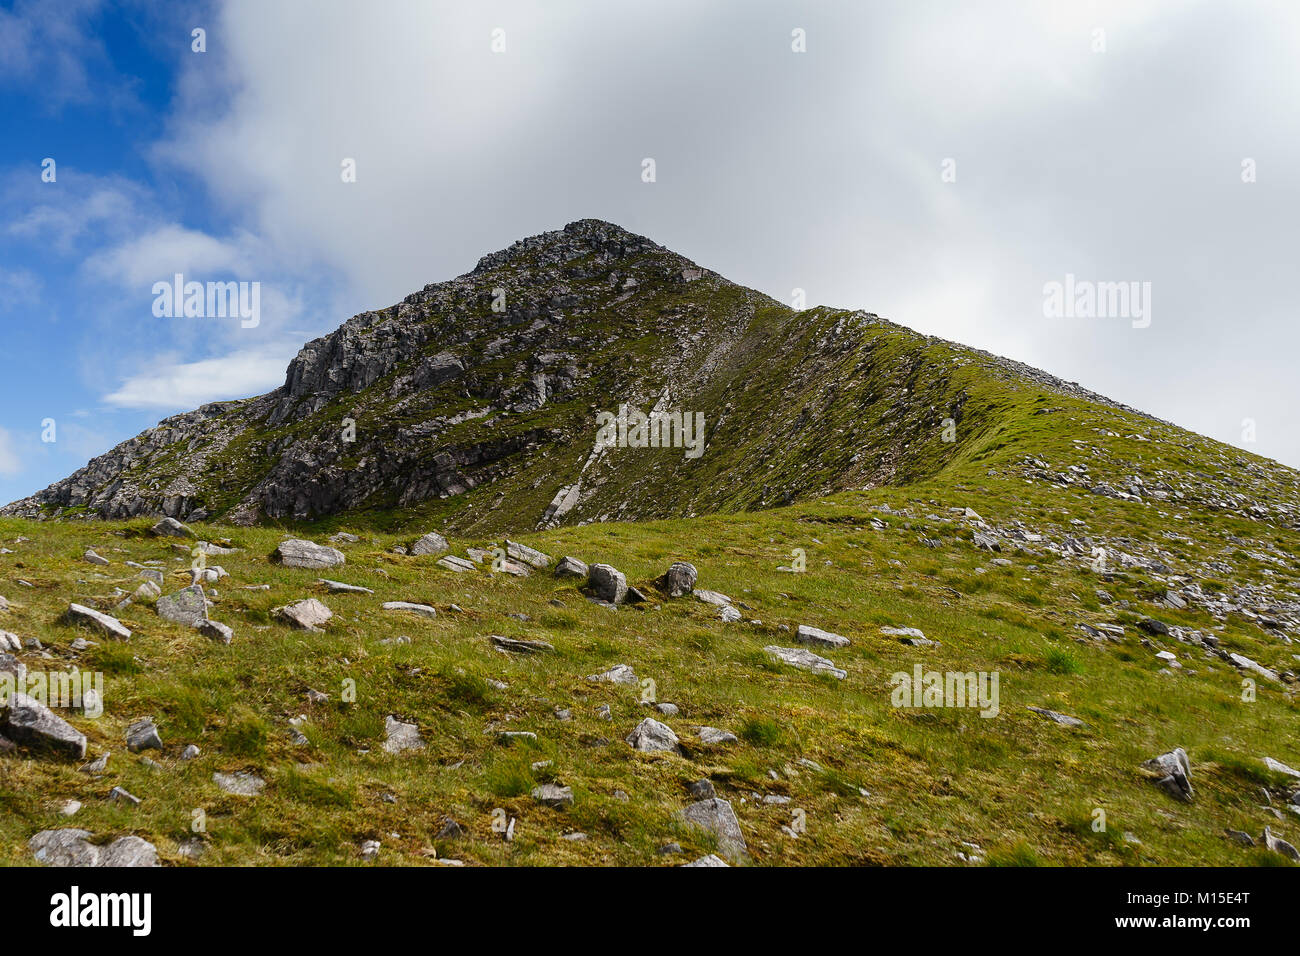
[941, 164]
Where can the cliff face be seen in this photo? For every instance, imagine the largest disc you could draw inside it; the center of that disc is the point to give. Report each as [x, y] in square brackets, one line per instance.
[478, 401]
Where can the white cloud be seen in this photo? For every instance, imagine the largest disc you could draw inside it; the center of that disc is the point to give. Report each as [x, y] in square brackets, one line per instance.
[166, 250]
[10, 463]
[174, 386]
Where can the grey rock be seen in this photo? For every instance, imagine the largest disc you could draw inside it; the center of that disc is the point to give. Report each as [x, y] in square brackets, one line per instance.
[805, 659]
[807, 634]
[423, 610]
[308, 615]
[215, 630]
[607, 583]
[188, 606]
[553, 795]
[711, 859]
[712, 597]
[651, 736]
[431, 543]
[714, 737]
[571, 568]
[120, 795]
[297, 553]
[170, 527]
[717, 816]
[1173, 773]
[679, 579]
[29, 722]
[618, 674]
[339, 587]
[1064, 719]
[240, 784]
[702, 789]
[518, 646]
[452, 563]
[530, 556]
[399, 736]
[143, 735]
[94, 558]
[103, 622]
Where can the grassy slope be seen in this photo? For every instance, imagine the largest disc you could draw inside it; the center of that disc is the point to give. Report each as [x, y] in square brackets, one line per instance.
[1019, 786]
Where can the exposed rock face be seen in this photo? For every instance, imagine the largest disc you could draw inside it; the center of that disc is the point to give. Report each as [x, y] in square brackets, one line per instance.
[450, 394]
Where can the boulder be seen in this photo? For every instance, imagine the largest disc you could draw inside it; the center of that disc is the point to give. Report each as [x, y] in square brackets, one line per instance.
[103, 622]
[571, 568]
[187, 606]
[1172, 773]
[143, 735]
[607, 583]
[424, 610]
[651, 736]
[805, 659]
[308, 615]
[679, 579]
[171, 528]
[399, 736]
[431, 543]
[526, 555]
[29, 722]
[717, 816]
[297, 553]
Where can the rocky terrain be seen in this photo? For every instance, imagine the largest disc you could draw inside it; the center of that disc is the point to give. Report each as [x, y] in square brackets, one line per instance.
[473, 636]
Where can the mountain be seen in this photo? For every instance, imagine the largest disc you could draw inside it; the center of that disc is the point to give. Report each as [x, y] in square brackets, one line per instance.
[474, 403]
[941, 609]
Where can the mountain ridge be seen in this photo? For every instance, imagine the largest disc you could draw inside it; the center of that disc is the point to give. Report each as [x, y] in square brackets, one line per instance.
[492, 380]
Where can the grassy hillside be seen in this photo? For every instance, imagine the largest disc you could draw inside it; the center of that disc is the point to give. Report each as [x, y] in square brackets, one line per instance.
[873, 783]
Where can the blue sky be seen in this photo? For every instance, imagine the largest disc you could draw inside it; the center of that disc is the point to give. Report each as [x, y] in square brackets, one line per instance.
[820, 170]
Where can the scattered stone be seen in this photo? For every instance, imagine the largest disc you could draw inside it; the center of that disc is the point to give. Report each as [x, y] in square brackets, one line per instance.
[94, 558]
[667, 709]
[729, 615]
[805, 659]
[571, 568]
[711, 860]
[702, 789]
[297, 553]
[1239, 836]
[1278, 845]
[142, 735]
[679, 579]
[807, 634]
[607, 583]
[423, 610]
[109, 625]
[517, 646]
[431, 543]
[29, 722]
[1063, 719]
[338, 587]
[1278, 766]
[70, 808]
[714, 737]
[452, 563]
[240, 784]
[618, 674]
[216, 631]
[1175, 771]
[188, 606]
[370, 850]
[717, 816]
[451, 830]
[170, 527]
[399, 736]
[344, 537]
[96, 766]
[190, 752]
[712, 597]
[526, 555]
[120, 795]
[553, 795]
[651, 736]
[308, 615]
[910, 632]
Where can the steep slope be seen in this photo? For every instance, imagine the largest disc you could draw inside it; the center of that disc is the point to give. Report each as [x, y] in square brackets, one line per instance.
[474, 402]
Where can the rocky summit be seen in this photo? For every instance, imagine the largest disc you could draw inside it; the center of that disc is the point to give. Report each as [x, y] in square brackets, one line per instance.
[881, 599]
[474, 402]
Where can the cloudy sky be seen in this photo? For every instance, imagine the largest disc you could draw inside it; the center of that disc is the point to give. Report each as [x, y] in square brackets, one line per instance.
[938, 163]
